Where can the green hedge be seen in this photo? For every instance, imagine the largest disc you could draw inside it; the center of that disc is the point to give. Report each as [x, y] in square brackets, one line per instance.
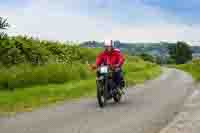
[23, 50]
[25, 75]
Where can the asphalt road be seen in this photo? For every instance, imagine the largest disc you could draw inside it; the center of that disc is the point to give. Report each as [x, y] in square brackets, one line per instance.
[147, 108]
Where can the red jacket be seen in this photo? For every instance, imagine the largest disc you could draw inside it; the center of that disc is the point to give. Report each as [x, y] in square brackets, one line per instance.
[110, 58]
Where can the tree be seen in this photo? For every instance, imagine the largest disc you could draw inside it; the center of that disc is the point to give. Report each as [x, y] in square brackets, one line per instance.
[3, 25]
[180, 53]
[183, 53]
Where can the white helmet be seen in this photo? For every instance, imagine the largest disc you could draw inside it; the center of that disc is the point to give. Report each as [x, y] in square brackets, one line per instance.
[109, 43]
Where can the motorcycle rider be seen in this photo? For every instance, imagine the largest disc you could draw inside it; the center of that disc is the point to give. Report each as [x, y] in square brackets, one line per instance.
[112, 57]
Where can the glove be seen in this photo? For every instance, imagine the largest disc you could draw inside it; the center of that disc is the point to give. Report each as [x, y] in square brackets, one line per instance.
[92, 66]
[117, 65]
[113, 67]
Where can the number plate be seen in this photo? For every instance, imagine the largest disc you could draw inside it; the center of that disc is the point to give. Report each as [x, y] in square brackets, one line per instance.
[104, 69]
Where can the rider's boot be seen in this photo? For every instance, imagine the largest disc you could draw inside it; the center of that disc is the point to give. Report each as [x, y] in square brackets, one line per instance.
[122, 83]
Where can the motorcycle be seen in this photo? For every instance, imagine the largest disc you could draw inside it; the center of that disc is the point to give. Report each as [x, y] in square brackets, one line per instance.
[106, 88]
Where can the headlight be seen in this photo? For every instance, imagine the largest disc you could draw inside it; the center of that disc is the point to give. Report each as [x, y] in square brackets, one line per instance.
[104, 69]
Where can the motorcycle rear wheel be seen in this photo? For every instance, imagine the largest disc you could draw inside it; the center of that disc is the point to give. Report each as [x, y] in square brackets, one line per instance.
[117, 97]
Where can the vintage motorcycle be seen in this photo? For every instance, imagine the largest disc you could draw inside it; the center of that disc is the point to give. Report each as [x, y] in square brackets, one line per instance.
[106, 88]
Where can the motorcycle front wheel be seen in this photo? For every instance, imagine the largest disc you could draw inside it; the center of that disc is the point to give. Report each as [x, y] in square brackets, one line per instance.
[101, 96]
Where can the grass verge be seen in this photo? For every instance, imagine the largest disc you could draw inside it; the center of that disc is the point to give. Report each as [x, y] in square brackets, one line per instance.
[192, 68]
[29, 98]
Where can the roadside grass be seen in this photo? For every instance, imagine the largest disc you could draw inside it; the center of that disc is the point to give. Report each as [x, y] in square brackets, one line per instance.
[79, 82]
[28, 99]
[137, 71]
[140, 76]
[192, 68]
[25, 75]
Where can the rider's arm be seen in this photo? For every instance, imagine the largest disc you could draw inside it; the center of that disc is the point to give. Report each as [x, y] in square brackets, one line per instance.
[121, 59]
[99, 59]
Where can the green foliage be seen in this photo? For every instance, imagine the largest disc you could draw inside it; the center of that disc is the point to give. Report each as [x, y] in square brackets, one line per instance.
[30, 98]
[17, 50]
[137, 70]
[3, 25]
[147, 57]
[180, 53]
[171, 61]
[193, 68]
[183, 53]
[25, 75]
[88, 54]
[26, 61]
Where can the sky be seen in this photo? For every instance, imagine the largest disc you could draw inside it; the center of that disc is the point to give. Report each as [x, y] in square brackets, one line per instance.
[124, 20]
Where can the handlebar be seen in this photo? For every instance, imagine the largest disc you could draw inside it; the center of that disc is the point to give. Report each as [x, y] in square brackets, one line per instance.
[110, 68]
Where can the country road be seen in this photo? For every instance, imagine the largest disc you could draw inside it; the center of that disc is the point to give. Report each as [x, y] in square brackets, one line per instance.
[146, 109]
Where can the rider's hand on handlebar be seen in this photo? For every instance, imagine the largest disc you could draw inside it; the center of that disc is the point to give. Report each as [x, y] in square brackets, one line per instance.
[93, 66]
[117, 65]
[113, 67]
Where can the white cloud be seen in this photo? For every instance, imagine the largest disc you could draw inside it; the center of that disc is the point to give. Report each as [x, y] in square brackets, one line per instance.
[64, 20]
[166, 32]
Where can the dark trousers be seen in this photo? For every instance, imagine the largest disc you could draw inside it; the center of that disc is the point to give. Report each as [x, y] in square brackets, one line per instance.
[117, 76]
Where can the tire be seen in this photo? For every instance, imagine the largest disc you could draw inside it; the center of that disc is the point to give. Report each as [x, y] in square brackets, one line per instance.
[117, 98]
[101, 98]
[101, 101]
[122, 84]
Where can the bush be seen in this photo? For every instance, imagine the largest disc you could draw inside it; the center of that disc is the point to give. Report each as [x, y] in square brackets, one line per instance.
[25, 75]
[21, 50]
